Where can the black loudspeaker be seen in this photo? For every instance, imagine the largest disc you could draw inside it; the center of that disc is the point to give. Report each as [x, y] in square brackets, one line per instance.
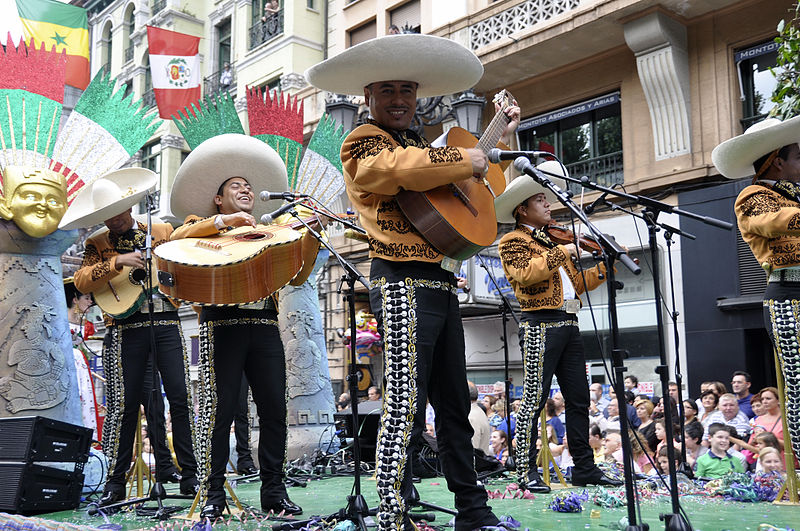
[31, 489]
[29, 439]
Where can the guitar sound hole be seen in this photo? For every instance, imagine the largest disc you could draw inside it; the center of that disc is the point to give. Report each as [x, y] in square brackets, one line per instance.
[254, 236]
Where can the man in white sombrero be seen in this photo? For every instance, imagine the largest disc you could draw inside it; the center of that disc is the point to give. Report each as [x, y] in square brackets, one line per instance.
[214, 190]
[411, 295]
[768, 215]
[547, 284]
[126, 346]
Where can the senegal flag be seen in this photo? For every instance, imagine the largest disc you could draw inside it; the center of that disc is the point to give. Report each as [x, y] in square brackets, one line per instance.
[63, 26]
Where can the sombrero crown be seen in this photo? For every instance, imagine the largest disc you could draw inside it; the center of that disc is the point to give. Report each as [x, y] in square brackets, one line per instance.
[440, 66]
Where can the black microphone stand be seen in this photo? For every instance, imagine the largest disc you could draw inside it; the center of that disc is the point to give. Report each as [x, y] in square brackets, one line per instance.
[612, 251]
[676, 521]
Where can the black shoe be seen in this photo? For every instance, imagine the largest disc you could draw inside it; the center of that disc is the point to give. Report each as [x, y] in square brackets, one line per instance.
[596, 478]
[247, 470]
[111, 497]
[537, 485]
[285, 506]
[190, 486]
[172, 477]
[211, 511]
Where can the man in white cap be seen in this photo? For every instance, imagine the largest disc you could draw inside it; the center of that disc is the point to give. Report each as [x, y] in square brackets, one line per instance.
[768, 215]
[547, 284]
[412, 296]
[214, 191]
[126, 344]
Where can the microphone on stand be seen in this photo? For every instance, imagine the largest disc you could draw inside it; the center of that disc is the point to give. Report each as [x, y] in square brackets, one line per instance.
[596, 203]
[288, 196]
[266, 219]
[496, 155]
[524, 165]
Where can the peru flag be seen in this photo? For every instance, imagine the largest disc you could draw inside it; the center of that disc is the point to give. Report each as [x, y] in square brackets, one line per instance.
[175, 68]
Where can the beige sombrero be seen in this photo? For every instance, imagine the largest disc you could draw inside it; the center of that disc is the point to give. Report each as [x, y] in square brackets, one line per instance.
[110, 195]
[524, 187]
[218, 159]
[440, 66]
[734, 158]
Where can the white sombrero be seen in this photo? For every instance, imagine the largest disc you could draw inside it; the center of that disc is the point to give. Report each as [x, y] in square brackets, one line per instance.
[110, 195]
[524, 187]
[440, 66]
[734, 158]
[218, 159]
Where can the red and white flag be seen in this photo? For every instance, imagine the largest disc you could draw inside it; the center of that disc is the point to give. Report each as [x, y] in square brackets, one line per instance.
[175, 68]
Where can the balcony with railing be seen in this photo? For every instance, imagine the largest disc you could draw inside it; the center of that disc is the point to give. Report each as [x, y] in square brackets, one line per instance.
[264, 30]
[129, 53]
[220, 81]
[605, 170]
[158, 5]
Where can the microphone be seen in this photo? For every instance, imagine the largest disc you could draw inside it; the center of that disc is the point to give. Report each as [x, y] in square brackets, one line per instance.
[288, 196]
[266, 219]
[496, 155]
[596, 203]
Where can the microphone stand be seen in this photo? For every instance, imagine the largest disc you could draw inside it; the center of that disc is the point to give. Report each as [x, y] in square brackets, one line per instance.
[612, 251]
[676, 521]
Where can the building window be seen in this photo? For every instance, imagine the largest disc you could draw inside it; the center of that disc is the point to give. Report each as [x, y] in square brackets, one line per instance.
[756, 82]
[128, 88]
[151, 156]
[130, 28]
[311, 4]
[587, 137]
[105, 48]
[267, 21]
[363, 33]
[406, 17]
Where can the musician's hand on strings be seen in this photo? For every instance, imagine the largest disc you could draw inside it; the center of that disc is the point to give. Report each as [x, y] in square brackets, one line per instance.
[571, 250]
[461, 283]
[239, 219]
[480, 162]
[133, 259]
[513, 113]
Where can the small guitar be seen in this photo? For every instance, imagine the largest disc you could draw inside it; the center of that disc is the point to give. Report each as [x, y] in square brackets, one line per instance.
[243, 265]
[122, 295]
[458, 219]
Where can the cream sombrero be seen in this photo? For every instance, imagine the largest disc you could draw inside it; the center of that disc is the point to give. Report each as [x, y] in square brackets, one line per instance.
[218, 159]
[524, 187]
[734, 158]
[439, 65]
[110, 195]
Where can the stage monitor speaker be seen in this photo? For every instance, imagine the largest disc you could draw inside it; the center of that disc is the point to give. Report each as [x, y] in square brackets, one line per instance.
[368, 422]
[30, 439]
[32, 489]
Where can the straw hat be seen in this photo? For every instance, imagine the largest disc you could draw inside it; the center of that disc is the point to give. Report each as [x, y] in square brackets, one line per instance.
[734, 158]
[218, 159]
[524, 187]
[440, 66]
[110, 195]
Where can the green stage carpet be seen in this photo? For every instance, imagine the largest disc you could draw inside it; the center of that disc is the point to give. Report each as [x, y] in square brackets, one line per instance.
[323, 497]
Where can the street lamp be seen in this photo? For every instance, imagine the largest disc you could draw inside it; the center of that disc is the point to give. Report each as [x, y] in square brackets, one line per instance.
[342, 109]
[468, 109]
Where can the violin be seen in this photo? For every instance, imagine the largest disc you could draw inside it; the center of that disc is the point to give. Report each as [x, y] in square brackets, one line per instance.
[563, 236]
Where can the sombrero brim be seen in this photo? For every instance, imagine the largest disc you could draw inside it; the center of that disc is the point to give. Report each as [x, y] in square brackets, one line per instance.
[83, 212]
[218, 159]
[524, 187]
[440, 66]
[734, 158]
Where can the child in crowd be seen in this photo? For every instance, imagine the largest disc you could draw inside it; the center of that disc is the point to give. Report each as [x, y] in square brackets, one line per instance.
[769, 459]
[717, 463]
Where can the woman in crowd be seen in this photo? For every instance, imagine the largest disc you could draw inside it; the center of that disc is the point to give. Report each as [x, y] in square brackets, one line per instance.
[552, 420]
[770, 418]
[689, 412]
[498, 445]
[710, 400]
[644, 410]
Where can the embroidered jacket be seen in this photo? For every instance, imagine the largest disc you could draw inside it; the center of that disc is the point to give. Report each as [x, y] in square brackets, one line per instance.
[770, 224]
[532, 270]
[100, 257]
[197, 227]
[377, 166]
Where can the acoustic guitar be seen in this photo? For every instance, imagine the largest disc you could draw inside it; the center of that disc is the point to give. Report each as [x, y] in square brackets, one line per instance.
[240, 266]
[458, 219]
[122, 295]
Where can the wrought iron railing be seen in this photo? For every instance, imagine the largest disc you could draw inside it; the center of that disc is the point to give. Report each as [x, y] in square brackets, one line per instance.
[605, 170]
[149, 99]
[129, 53]
[158, 5]
[220, 81]
[265, 30]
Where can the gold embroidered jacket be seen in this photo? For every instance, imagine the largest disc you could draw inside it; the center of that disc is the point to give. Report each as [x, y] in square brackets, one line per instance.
[770, 224]
[532, 270]
[376, 167]
[197, 227]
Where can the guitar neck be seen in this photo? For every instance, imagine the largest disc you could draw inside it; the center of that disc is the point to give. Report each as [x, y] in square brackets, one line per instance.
[493, 132]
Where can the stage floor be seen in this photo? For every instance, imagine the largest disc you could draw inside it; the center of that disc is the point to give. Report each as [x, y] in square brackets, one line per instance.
[325, 496]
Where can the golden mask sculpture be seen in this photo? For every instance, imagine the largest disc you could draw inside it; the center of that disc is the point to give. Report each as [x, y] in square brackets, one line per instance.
[33, 198]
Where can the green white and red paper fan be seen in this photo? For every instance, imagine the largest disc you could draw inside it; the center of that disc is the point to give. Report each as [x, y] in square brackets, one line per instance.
[209, 117]
[320, 172]
[277, 120]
